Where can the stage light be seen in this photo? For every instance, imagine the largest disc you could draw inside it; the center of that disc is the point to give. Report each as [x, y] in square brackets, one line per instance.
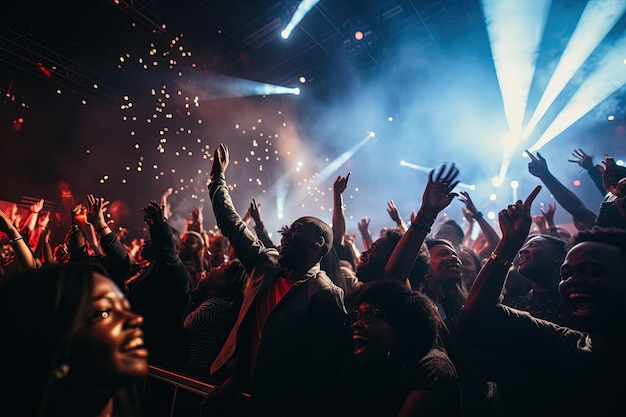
[493, 197]
[611, 117]
[576, 183]
[302, 10]
[358, 35]
[491, 215]
[302, 80]
[514, 184]
[497, 181]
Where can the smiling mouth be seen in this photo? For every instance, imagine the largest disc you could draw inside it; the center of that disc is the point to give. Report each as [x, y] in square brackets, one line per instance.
[581, 303]
[136, 348]
[360, 344]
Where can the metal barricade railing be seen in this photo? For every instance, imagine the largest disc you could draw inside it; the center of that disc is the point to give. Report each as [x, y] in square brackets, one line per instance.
[168, 393]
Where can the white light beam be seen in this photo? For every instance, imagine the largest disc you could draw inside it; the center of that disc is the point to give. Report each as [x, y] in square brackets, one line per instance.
[597, 19]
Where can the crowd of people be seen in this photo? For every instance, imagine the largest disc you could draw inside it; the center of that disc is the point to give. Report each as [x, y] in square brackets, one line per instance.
[421, 320]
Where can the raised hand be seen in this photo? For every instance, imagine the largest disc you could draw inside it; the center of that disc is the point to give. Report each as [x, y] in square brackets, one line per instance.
[537, 165]
[341, 183]
[165, 203]
[96, 208]
[611, 178]
[515, 220]
[37, 207]
[540, 221]
[255, 211]
[221, 158]
[167, 193]
[364, 225]
[153, 213]
[438, 193]
[549, 214]
[200, 214]
[393, 212]
[582, 159]
[79, 214]
[467, 200]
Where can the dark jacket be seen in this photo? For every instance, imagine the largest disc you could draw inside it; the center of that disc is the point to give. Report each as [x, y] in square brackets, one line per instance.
[300, 350]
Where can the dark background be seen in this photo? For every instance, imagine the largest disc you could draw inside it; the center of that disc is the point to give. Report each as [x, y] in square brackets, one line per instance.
[427, 64]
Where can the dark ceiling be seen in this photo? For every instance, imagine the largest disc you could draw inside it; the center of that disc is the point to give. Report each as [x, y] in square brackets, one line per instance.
[239, 37]
[47, 48]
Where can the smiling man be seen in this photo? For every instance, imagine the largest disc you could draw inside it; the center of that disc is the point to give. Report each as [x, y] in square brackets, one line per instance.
[573, 372]
[540, 261]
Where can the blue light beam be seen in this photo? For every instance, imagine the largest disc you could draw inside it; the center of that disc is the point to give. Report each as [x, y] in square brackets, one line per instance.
[218, 86]
[303, 9]
[609, 76]
[427, 170]
[597, 19]
[325, 173]
[515, 30]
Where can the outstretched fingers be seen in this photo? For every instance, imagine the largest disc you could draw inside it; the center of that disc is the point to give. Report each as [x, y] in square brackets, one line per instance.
[531, 197]
[530, 155]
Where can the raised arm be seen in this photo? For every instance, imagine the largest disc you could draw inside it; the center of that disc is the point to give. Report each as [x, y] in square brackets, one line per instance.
[117, 257]
[23, 254]
[167, 212]
[489, 232]
[565, 197]
[515, 222]
[548, 215]
[586, 162]
[395, 215]
[230, 223]
[364, 229]
[339, 216]
[437, 196]
[31, 221]
[261, 232]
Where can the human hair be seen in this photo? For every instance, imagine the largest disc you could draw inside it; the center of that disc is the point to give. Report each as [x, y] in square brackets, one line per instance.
[609, 235]
[477, 262]
[456, 227]
[412, 315]
[321, 229]
[393, 235]
[195, 234]
[431, 243]
[559, 245]
[233, 285]
[40, 310]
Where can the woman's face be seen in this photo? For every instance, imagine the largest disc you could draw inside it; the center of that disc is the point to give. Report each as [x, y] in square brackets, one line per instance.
[372, 334]
[445, 265]
[108, 350]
